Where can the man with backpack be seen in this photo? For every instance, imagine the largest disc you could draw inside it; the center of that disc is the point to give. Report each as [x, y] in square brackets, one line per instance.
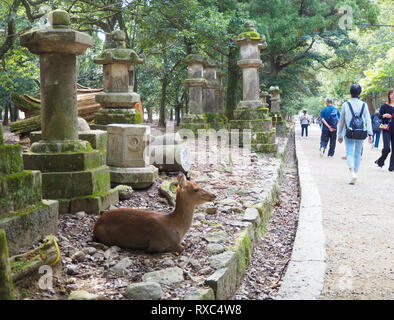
[329, 117]
[354, 126]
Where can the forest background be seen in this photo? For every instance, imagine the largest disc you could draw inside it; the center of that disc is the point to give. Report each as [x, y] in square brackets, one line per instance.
[316, 49]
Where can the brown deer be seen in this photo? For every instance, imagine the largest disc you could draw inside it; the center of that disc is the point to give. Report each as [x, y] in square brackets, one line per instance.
[149, 230]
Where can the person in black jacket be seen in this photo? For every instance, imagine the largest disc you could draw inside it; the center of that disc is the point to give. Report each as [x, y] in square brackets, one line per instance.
[386, 113]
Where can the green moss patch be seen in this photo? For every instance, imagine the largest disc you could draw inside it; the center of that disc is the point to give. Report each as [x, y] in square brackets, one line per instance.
[10, 159]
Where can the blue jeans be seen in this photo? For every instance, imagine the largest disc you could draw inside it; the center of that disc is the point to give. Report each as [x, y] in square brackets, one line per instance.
[376, 137]
[304, 127]
[354, 149]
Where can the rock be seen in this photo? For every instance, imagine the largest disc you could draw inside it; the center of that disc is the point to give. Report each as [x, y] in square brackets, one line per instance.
[144, 291]
[78, 256]
[83, 125]
[80, 214]
[228, 202]
[125, 192]
[215, 248]
[200, 294]
[164, 276]
[120, 269]
[237, 209]
[211, 210]
[251, 214]
[98, 245]
[90, 250]
[199, 216]
[112, 252]
[168, 262]
[221, 260]
[84, 295]
[72, 269]
[216, 237]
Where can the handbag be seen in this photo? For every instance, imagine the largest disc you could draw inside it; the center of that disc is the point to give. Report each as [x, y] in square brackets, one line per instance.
[386, 126]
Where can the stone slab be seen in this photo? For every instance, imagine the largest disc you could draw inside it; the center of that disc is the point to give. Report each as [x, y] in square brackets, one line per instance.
[29, 225]
[137, 178]
[62, 162]
[95, 203]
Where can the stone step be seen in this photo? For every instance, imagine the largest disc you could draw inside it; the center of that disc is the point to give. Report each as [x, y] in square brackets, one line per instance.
[62, 162]
[67, 185]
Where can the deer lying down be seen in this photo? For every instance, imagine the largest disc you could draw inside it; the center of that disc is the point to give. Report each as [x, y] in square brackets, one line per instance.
[152, 231]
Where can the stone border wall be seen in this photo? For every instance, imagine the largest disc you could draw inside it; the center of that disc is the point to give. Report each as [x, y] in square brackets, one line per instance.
[225, 281]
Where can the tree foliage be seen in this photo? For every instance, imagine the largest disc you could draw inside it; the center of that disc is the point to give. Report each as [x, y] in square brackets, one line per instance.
[309, 55]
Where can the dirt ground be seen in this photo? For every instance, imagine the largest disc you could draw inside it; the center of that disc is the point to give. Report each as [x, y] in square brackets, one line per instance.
[87, 265]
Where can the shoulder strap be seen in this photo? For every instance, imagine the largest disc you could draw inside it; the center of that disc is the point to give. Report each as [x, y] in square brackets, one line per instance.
[351, 109]
[362, 109]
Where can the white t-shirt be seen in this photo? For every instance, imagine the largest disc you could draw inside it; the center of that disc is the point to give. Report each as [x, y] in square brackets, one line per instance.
[305, 119]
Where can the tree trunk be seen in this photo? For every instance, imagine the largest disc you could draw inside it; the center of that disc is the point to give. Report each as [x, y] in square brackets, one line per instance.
[232, 82]
[14, 113]
[5, 121]
[162, 113]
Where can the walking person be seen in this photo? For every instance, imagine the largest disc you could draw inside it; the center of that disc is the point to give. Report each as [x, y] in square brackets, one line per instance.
[386, 114]
[354, 126]
[305, 119]
[376, 122]
[330, 118]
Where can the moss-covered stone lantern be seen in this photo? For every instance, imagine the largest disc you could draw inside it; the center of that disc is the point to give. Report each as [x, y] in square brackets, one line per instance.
[118, 99]
[72, 171]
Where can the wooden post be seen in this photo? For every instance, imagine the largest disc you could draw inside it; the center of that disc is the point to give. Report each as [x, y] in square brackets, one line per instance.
[6, 284]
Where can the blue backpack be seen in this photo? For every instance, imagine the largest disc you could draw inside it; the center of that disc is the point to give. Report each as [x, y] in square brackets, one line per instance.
[333, 119]
[376, 122]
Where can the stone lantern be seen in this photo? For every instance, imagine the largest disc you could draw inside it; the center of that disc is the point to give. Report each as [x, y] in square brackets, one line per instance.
[196, 82]
[251, 117]
[275, 99]
[72, 171]
[250, 43]
[219, 92]
[118, 99]
[210, 87]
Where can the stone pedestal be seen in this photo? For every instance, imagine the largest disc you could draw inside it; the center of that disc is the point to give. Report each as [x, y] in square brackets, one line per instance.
[71, 168]
[251, 117]
[118, 99]
[25, 217]
[128, 156]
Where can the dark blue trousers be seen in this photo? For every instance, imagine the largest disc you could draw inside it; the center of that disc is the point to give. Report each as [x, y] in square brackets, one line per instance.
[304, 127]
[327, 136]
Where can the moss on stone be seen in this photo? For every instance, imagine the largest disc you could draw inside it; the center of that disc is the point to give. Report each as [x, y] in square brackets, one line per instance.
[19, 190]
[252, 35]
[10, 159]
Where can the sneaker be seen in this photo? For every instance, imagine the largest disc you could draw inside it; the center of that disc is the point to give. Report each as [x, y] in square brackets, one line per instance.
[353, 177]
[321, 152]
[377, 163]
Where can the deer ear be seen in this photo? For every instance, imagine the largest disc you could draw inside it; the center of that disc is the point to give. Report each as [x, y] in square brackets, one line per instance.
[181, 180]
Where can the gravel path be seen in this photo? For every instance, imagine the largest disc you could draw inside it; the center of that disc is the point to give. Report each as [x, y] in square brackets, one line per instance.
[358, 223]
